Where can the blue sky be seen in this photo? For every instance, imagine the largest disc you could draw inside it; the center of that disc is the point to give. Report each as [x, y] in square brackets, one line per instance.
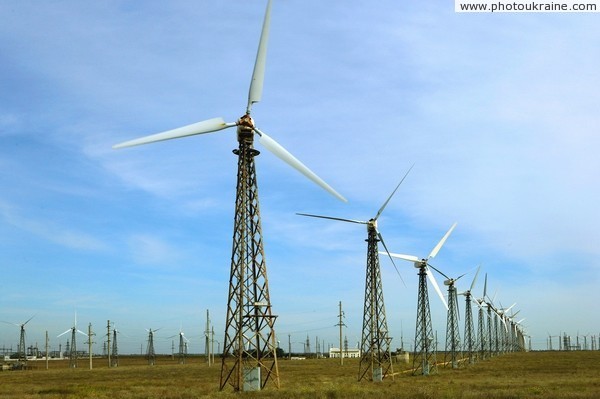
[499, 114]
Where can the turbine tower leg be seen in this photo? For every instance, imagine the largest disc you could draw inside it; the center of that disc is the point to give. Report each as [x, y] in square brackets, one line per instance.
[452, 332]
[249, 358]
[376, 360]
[424, 359]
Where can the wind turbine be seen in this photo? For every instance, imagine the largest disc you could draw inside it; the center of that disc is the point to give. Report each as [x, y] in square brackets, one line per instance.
[249, 358]
[150, 354]
[452, 329]
[183, 341]
[424, 361]
[375, 361]
[22, 349]
[470, 343]
[73, 348]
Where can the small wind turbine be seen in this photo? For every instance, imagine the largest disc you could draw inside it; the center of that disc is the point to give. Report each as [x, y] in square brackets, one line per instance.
[22, 349]
[73, 349]
[376, 361]
[424, 359]
[248, 288]
[183, 341]
[150, 354]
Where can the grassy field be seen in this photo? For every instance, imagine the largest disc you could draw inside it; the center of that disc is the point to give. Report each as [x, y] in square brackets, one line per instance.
[516, 375]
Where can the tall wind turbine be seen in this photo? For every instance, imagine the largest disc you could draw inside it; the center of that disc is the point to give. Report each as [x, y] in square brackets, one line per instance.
[424, 361]
[376, 361]
[73, 348]
[470, 344]
[249, 358]
[22, 349]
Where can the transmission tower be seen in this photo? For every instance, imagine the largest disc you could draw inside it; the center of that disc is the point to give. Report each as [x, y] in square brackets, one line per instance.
[424, 359]
[452, 353]
[249, 350]
[150, 349]
[376, 360]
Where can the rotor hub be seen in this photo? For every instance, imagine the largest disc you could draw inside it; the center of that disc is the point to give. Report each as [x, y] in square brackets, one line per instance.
[245, 129]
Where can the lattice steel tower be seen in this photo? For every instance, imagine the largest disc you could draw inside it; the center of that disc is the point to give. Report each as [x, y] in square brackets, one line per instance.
[115, 350]
[376, 360]
[150, 354]
[453, 353]
[470, 344]
[249, 350]
[424, 358]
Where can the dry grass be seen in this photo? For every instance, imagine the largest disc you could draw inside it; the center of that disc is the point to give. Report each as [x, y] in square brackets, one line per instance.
[519, 375]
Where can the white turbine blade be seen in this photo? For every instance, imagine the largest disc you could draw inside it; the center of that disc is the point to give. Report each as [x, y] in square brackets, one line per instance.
[258, 75]
[60, 335]
[485, 286]
[437, 248]
[475, 278]
[288, 158]
[392, 194]
[392, 259]
[410, 258]
[332, 218]
[82, 333]
[510, 307]
[436, 287]
[207, 126]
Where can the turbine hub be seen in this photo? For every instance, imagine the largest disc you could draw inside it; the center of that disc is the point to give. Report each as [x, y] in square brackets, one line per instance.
[245, 129]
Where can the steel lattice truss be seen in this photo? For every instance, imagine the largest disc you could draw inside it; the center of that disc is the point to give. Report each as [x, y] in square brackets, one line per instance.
[375, 362]
[249, 349]
[452, 353]
[469, 344]
[482, 337]
[424, 359]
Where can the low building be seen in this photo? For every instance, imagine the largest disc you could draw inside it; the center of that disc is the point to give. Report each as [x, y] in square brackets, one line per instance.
[346, 353]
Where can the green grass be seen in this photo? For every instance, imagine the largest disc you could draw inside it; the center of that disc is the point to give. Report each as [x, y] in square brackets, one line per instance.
[518, 375]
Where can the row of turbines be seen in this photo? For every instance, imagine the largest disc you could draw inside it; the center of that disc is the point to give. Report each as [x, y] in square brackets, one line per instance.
[111, 347]
[249, 358]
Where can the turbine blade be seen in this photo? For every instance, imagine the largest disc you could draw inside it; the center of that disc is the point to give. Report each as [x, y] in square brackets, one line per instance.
[207, 126]
[436, 287]
[288, 158]
[439, 271]
[457, 307]
[437, 248]
[258, 75]
[388, 252]
[60, 335]
[410, 258]
[485, 286]
[332, 218]
[392, 194]
[475, 278]
[82, 333]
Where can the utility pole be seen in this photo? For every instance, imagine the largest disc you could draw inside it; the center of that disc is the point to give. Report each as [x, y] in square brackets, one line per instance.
[207, 338]
[108, 341]
[341, 324]
[90, 342]
[289, 347]
[47, 350]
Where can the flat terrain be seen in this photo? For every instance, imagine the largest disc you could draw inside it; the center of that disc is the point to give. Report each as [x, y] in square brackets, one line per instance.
[516, 375]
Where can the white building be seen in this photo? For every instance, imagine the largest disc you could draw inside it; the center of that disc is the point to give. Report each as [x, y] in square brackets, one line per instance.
[349, 353]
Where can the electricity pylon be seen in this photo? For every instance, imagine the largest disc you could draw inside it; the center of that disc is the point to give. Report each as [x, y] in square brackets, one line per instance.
[150, 354]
